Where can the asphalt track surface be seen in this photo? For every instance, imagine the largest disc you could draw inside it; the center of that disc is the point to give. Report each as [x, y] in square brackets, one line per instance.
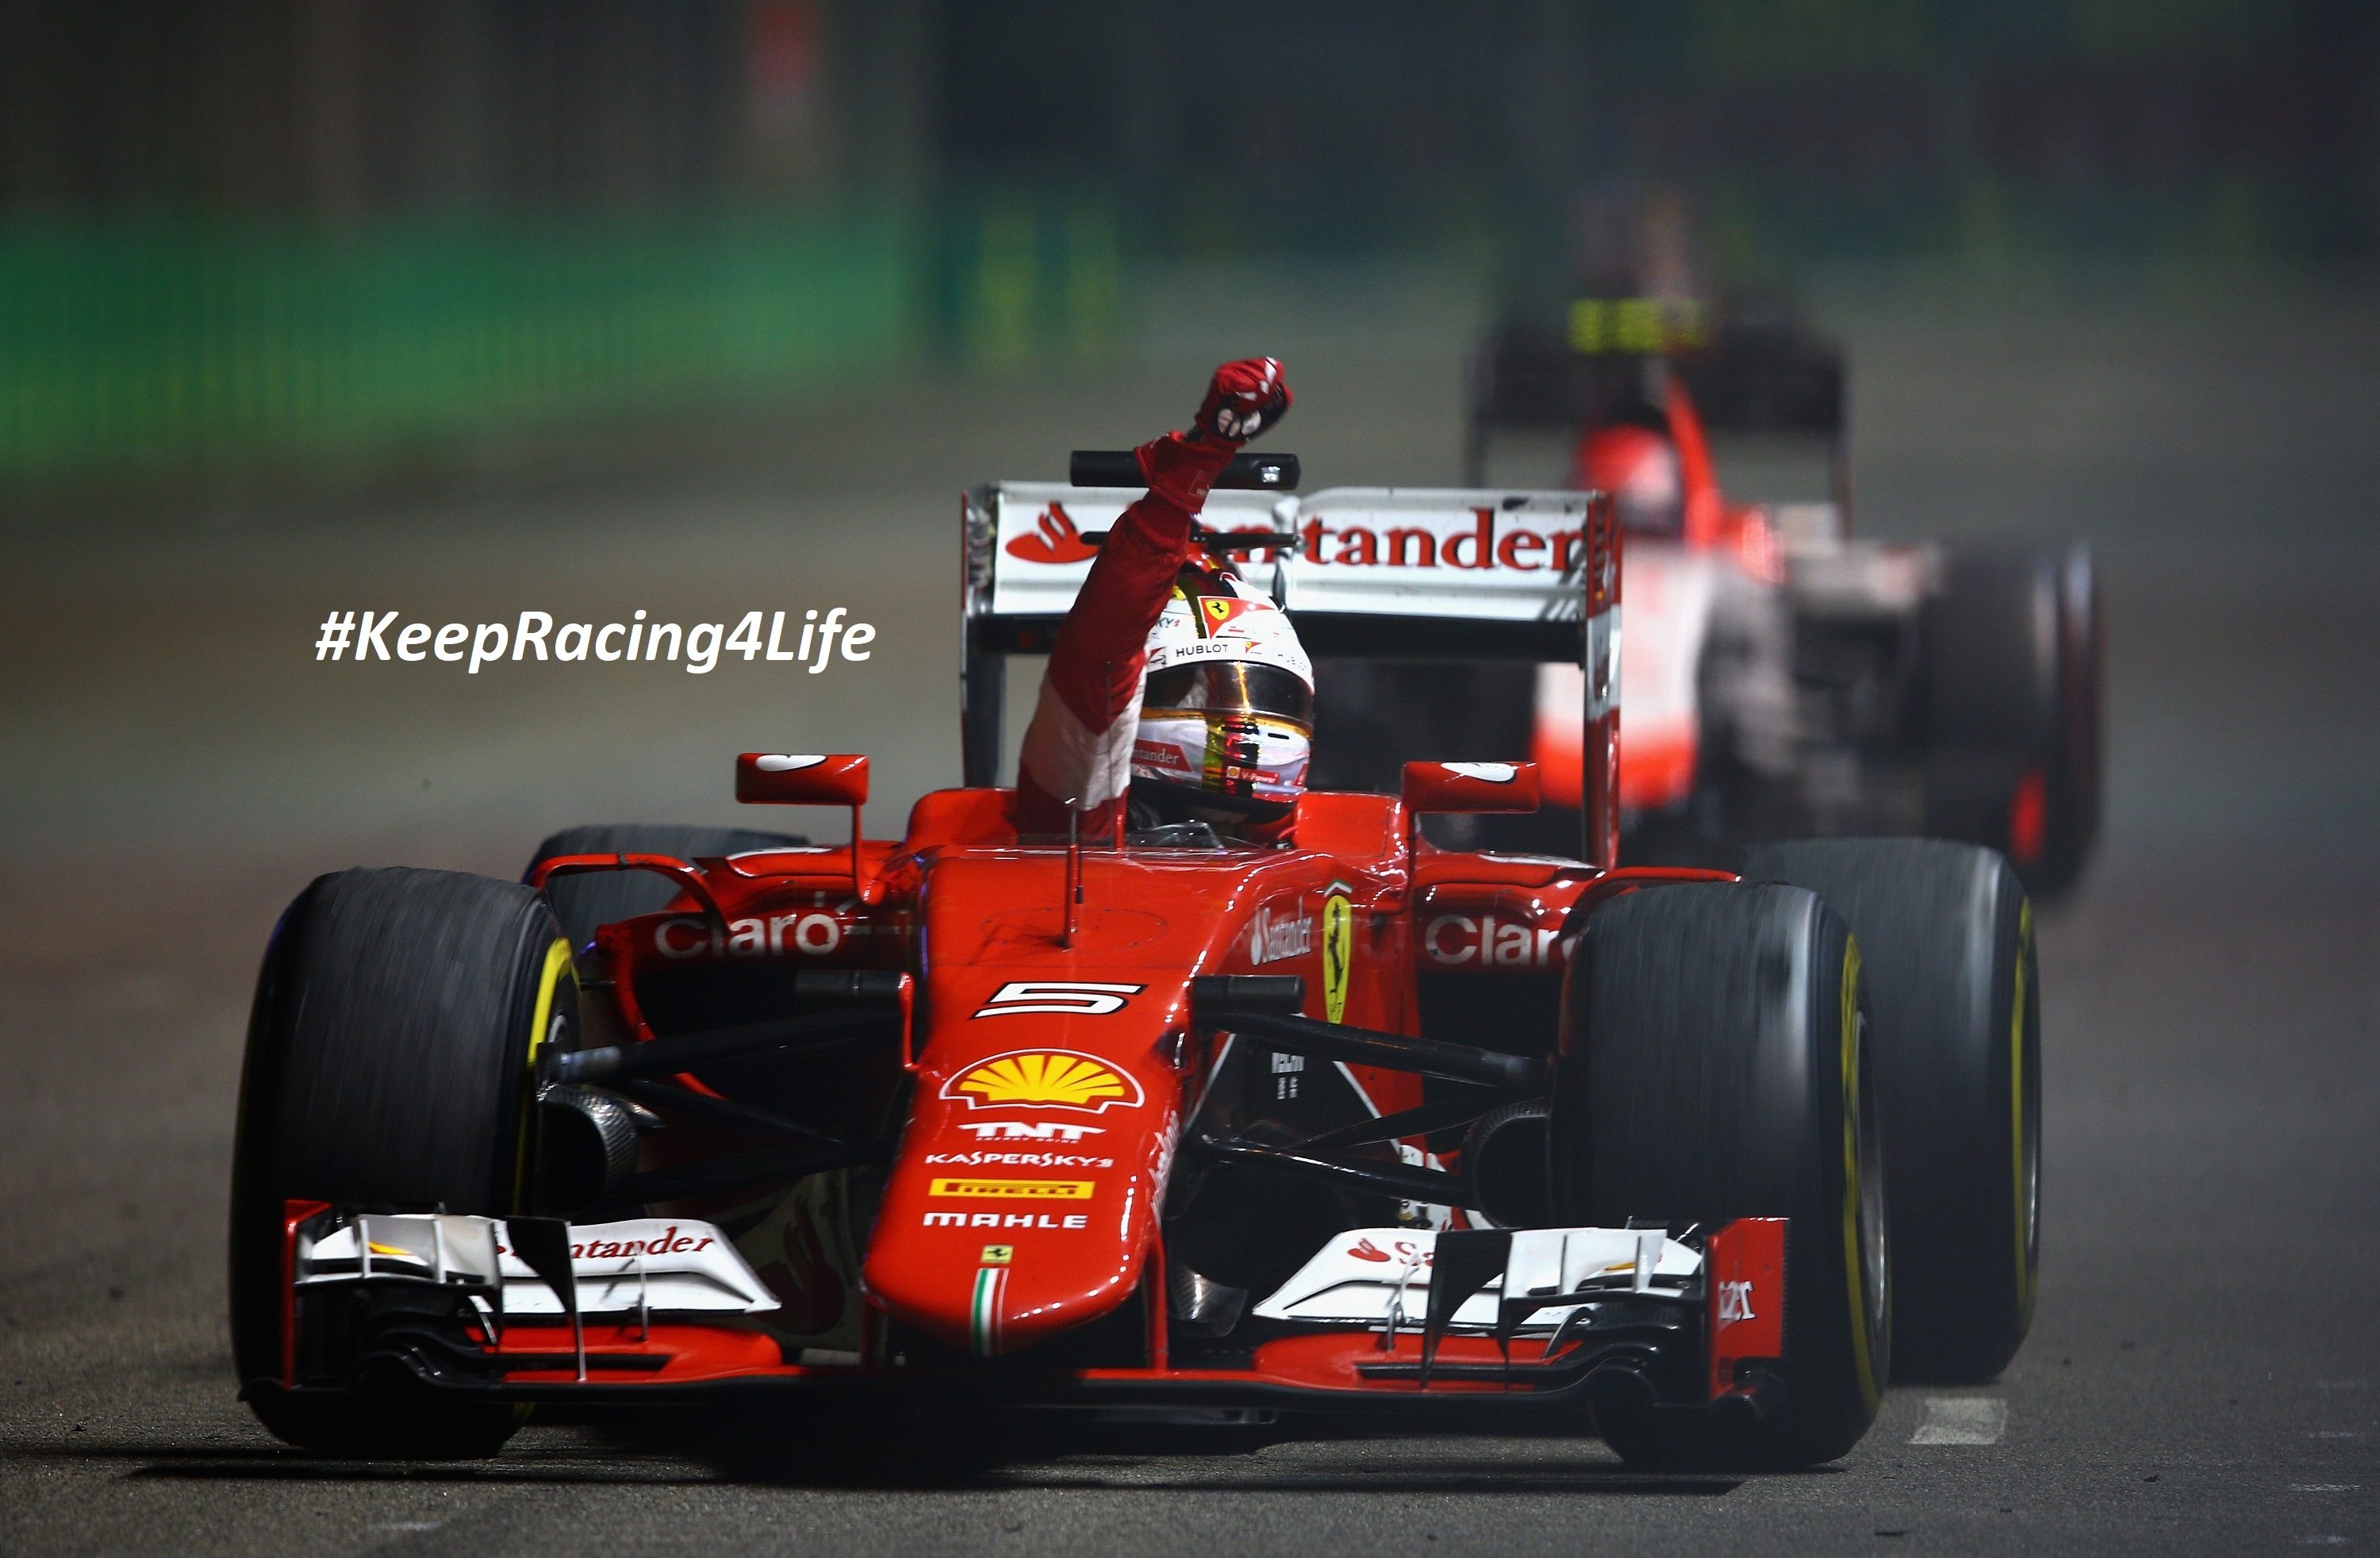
[2202, 1376]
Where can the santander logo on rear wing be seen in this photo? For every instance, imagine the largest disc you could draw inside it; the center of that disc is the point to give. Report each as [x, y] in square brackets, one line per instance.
[1457, 554]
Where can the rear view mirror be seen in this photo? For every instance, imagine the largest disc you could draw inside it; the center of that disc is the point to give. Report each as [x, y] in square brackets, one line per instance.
[808, 779]
[1469, 786]
[786, 779]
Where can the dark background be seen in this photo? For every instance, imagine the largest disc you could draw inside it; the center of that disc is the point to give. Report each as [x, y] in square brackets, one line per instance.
[300, 236]
[702, 307]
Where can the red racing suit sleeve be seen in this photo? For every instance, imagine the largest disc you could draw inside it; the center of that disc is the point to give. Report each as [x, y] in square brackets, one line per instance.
[1078, 751]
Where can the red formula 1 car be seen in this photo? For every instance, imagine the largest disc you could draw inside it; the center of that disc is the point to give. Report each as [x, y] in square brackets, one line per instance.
[968, 1118]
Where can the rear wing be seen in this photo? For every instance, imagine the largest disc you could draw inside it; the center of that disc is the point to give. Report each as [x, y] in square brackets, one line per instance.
[1754, 373]
[1365, 572]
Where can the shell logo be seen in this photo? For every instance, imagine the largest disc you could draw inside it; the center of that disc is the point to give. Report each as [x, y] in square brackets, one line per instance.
[1045, 1079]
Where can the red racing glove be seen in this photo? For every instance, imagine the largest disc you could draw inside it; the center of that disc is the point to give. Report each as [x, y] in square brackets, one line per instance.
[1243, 400]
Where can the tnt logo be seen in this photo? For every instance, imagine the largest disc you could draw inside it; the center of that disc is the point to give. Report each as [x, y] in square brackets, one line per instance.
[1734, 1302]
[1028, 1130]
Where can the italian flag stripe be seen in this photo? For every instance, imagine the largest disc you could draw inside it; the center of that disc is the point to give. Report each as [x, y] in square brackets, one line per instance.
[983, 1315]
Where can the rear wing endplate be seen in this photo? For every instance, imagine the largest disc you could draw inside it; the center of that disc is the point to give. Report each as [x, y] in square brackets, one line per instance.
[1365, 572]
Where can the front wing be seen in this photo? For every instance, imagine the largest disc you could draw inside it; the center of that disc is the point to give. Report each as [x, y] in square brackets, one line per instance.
[655, 1309]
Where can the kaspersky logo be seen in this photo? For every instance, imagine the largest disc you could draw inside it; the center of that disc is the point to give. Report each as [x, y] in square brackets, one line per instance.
[1044, 1079]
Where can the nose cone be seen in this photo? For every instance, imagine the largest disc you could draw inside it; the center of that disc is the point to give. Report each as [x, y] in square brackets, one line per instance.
[1024, 1200]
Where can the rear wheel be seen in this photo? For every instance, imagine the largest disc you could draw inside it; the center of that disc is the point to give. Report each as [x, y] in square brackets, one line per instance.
[2014, 645]
[388, 1064]
[1714, 1065]
[583, 901]
[1946, 938]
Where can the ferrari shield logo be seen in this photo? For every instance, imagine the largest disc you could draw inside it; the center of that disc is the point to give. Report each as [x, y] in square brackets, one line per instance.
[1216, 610]
[1338, 943]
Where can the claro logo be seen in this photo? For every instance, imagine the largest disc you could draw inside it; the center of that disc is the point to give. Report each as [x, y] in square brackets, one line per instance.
[813, 934]
[1460, 940]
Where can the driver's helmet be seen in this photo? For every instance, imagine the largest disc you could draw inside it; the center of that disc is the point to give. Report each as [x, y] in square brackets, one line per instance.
[1227, 707]
[1639, 467]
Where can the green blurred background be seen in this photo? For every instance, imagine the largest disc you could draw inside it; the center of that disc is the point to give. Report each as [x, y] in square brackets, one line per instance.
[300, 238]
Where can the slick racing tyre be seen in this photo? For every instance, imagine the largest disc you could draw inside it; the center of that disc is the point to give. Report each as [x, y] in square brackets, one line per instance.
[1946, 940]
[1713, 1065]
[389, 1056]
[582, 901]
[2014, 646]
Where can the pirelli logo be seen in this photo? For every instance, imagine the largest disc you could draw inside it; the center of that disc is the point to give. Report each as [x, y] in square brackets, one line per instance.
[1014, 1189]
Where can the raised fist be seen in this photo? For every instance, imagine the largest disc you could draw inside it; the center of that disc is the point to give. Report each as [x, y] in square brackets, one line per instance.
[1243, 400]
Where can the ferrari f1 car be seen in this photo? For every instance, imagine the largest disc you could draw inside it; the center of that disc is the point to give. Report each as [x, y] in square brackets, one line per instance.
[965, 1120]
[1783, 678]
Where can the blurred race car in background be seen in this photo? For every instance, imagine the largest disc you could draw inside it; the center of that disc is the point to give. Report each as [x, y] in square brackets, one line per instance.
[1782, 678]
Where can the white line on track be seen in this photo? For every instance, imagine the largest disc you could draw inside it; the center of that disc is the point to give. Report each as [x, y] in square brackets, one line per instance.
[1962, 1419]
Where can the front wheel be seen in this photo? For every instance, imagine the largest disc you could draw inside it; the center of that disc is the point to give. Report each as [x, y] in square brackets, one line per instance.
[1713, 1065]
[1946, 933]
[397, 1017]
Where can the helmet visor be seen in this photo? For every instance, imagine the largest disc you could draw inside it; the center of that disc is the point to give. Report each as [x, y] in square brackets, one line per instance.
[1235, 686]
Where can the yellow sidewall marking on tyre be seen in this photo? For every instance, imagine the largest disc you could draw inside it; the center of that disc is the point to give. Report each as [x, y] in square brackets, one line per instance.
[557, 963]
[2025, 1269]
[1854, 1271]
[549, 979]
